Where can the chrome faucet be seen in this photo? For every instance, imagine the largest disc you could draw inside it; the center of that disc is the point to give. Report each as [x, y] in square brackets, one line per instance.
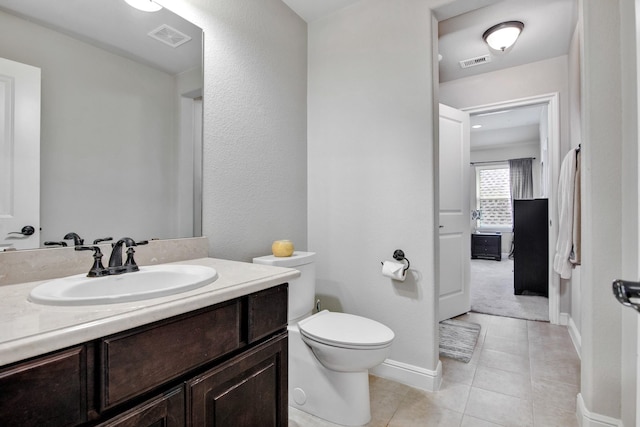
[115, 260]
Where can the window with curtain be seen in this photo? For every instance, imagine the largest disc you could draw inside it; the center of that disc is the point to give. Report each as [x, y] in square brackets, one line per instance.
[493, 197]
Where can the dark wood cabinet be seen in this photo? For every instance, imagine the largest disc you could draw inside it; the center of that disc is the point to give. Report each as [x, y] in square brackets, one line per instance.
[138, 361]
[51, 390]
[166, 410]
[531, 247]
[486, 245]
[147, 376]
[218, 397]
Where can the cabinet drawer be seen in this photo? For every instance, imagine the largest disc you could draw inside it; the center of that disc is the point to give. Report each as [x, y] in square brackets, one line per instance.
[49, 391]
[166, 411]
[144, 358]
[267, 312]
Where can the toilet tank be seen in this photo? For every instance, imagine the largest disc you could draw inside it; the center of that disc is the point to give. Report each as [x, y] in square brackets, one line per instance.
[302, 290]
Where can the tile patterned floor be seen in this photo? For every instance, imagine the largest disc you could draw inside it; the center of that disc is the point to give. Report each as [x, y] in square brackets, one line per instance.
[522, 374]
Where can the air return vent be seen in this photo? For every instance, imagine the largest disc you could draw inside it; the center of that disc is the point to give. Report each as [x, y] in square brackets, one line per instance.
[169, 35]
[478, 60]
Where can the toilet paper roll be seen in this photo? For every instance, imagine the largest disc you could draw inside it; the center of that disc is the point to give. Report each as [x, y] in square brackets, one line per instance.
[394, 270]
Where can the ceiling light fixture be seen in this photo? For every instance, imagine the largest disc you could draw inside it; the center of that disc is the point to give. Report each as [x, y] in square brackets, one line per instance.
[502, 36]
[144, 5]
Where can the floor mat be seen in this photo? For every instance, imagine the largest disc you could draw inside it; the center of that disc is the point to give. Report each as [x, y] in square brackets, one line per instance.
[458, 339]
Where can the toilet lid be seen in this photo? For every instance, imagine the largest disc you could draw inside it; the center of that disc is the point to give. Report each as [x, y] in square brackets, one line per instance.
[345, 330]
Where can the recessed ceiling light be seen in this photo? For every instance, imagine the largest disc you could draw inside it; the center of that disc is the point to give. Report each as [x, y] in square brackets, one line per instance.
[144, 5]
[476, 126]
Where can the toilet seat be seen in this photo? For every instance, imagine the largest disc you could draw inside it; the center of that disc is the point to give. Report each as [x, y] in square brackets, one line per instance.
[346, 331]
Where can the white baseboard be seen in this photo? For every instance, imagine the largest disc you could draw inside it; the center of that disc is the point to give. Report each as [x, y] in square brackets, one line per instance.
[576, 338]
[410, 375]
[564, 319]
[587, 418]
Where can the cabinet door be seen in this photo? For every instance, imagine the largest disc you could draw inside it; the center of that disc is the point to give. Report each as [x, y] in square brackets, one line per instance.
[139, 360]
[267, 312]
[47, 391]
[164, 411]
[247, 391]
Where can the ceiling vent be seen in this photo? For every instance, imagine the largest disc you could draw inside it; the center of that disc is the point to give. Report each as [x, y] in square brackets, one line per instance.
[478, 60]
[169, 35]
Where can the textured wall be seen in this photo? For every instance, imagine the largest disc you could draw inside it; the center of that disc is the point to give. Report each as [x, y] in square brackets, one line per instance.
[255, 154]
[601, 205]
[371, 167]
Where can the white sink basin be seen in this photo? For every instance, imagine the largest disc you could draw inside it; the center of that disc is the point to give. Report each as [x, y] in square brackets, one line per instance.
[149, 282]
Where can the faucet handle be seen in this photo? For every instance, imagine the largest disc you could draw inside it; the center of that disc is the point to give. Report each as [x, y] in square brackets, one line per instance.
[97, 269]
[102, 239]
[61, 243]
[130, 264]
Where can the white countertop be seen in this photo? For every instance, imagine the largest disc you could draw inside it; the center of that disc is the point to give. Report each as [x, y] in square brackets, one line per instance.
[28, 329]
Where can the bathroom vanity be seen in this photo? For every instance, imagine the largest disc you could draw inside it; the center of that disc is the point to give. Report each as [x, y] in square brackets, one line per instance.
[213, 356]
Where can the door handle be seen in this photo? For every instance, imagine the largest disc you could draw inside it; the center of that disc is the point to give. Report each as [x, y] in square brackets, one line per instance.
[627, 293]
[27, 230]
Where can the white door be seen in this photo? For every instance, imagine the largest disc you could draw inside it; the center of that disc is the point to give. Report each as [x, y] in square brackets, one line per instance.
[455, 221]
[19, 155]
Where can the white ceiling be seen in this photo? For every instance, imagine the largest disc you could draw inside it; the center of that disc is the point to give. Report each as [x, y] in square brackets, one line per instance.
[116, 26]
[549, 26]
[512, 126]
[113, 24]
[310, 10]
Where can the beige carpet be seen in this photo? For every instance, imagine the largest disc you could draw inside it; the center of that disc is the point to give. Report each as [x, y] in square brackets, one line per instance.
[492, 292]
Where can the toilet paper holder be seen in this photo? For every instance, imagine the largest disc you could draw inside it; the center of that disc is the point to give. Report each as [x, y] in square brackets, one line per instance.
[398, 255]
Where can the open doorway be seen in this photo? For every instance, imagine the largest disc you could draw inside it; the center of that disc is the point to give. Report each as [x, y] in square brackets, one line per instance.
[548, 171]
[528, 74]
[501, 140]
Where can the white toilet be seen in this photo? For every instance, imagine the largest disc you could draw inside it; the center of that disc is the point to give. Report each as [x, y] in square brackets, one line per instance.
[329, 353]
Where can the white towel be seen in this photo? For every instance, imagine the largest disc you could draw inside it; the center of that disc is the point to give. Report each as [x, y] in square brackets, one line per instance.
[566, 191]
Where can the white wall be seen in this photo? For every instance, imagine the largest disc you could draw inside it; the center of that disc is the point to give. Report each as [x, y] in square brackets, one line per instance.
[254, 184]
[537, 78]
[630, 11]
[575, 138]
[372, 169]
[602, 134]
[108, 127]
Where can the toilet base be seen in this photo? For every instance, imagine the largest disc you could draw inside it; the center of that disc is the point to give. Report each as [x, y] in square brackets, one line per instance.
[338, 397]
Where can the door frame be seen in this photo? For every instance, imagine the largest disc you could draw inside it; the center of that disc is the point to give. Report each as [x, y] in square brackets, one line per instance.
[551, 100]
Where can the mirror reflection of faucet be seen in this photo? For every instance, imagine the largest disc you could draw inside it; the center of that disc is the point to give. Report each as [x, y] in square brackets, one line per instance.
[77, 240]
[61, 243]
[102, 239]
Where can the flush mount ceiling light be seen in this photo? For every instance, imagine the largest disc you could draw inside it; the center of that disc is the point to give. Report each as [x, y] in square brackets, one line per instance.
[502, 36]
[144, 5]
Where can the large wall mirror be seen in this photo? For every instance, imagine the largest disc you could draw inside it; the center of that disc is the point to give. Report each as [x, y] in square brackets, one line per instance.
[121, 115]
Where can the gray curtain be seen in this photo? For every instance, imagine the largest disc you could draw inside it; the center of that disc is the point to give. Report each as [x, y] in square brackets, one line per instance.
[521, 178]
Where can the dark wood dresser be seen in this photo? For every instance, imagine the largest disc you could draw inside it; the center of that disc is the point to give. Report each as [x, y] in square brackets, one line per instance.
[486, 246]
[531, 247]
